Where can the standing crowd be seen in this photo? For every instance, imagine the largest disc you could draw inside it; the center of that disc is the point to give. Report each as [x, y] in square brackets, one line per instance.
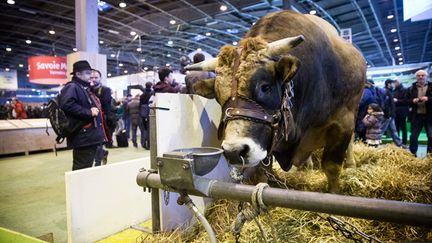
[387, 110]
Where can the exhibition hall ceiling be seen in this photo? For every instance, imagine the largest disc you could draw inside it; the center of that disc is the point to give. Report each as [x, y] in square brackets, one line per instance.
[139, 35]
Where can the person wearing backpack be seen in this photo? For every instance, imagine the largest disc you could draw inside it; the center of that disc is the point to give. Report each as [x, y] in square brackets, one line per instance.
[145, 100]
[81, 106]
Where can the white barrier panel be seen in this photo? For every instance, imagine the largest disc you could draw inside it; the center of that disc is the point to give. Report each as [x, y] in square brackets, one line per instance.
[191, 121]
[103, 200]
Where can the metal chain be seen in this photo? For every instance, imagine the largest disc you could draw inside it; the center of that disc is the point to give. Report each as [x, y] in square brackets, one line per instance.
[273, 178]
[166, 196]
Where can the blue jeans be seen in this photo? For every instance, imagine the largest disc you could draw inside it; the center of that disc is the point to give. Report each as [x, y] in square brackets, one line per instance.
[127, 124]
[142, 131]
[389, 127]
[419, 121]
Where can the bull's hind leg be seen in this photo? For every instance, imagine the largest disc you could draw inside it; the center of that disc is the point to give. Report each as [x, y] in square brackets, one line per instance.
[333, 157]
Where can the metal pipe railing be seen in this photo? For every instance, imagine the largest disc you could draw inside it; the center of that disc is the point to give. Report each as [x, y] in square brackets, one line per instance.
[376, 209]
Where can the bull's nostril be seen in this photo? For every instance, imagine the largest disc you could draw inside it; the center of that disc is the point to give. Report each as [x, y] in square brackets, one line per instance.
[244, 151]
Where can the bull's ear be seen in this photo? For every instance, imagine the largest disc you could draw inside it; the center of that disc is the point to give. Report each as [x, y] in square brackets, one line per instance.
[287, 67]
[205, 88]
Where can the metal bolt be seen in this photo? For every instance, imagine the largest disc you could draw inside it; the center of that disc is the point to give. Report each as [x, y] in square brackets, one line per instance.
[159, 163]
[142, 170]
[185, 166]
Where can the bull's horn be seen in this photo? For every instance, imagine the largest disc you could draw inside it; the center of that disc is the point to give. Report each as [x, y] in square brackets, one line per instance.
[283, 45]
[208, 65]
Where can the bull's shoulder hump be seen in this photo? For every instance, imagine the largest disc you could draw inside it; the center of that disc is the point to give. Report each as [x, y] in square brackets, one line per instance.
[329, 29]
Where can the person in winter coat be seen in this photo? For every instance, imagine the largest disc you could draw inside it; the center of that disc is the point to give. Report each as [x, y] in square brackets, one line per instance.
[133, 109]
[373, 121]
[194, 76]
[82, 106]
[402, 110]
[18, 109]
[368, 97]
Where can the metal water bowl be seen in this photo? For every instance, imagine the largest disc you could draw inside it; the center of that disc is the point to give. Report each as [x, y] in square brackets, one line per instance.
[205, 159]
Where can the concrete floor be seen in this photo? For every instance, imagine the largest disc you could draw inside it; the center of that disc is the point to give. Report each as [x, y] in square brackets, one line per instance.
[32, 190]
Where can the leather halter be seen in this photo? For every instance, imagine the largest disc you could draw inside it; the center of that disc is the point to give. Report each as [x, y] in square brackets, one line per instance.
[241, 107]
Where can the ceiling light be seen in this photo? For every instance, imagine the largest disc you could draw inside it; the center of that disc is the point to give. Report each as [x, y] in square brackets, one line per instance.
[199, 49]
[400, 58]
[8, 49]
[109, 74]
[143, 60]
[223, 8]
[7, 69]
[168, 55]
[393, 30]
[399, 54]
[113, 32]
[172, 21]
[101, 42]
[208, 34]
[52, 32]
[180, 49]
[20, 65]
[28, 42]
[125, 71]
[397, 48]
[167, 64]
[368, 66]
[395, 40]
[145, 68]
[75, 49]
[235, 43]
[10, 2]
[28, 75]
[120, 64]
[133, 33]
[313, 12]
[400, 63]
[170, 42]
[112, 55]
[390, 16]
[122, 5]
[139, 49]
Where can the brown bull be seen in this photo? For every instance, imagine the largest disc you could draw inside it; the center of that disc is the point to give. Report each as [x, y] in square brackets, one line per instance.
[253, 81]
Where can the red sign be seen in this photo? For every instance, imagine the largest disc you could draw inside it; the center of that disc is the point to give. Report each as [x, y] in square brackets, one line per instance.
[47, 70]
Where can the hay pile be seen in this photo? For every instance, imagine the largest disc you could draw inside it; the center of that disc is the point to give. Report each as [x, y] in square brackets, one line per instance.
[387, 172]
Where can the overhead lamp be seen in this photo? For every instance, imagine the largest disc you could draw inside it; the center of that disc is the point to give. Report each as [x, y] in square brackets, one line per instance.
[28, 41]
[167, 64]
[8, 49]
[179, 49]
[208, 34]
[199, 49]
[168, 55]
[11, 2]
[21, 65]
[313, 12]
[368, 66]
[114, 32]
[122, 4]
[397, 48]
[109, 74]
[7, 69]
[400, 58]
[120, 64]
[172, 21]
[139, 49]
[400, 63]
[393, 30]
[395, 40]
[27, 75]
[145, 68]
[170, 42]
[223, 8]
[390, 16]
[75, 49]
[399, 54]
[33, 90]
[112, 55]
[142, 60]
[234, 43]
[132, 33]
[125, 71]
[101, 42]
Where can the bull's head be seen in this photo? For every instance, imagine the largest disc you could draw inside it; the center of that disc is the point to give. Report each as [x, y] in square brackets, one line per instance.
[250, 81]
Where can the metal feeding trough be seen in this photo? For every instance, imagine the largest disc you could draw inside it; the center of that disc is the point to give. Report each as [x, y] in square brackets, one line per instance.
[182, 169]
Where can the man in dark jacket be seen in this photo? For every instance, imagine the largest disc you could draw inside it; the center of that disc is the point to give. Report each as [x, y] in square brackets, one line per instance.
[390, 113]
[402, 110]
[420, 99]
[166, 81]
[82, 106]
[104, 95]
[133, 109]
[145, 101]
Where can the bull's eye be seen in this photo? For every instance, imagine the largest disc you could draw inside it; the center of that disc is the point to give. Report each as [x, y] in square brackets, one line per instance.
[265, 88]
